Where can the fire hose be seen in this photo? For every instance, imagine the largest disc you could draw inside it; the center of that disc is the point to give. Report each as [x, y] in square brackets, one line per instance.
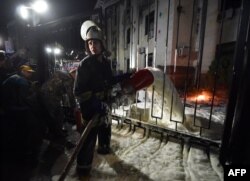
[83, 137]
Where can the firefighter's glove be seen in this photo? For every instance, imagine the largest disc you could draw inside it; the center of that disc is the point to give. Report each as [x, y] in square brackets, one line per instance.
[116, 90]
[99, 120]
[99, 107]
[103, 111]
[105, 120]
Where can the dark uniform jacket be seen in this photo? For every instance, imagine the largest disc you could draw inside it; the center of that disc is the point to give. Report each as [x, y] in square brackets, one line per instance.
[21, 130]
[92, 83]
[15, 93]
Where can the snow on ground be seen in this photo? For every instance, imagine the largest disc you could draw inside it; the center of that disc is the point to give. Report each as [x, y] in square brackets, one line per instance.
[218, 113]
[200, 166]
[212, 129]
[136, 158]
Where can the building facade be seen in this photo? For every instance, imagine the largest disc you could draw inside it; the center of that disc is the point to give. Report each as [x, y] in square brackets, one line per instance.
[171, 33]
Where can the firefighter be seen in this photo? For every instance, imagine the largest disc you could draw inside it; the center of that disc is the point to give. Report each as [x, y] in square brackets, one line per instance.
[93, 76]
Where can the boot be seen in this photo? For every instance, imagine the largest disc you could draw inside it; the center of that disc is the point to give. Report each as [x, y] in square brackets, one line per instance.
[103, 150]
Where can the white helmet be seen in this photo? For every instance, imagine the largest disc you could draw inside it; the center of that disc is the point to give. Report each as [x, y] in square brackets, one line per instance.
[94, 33]
[89, 30]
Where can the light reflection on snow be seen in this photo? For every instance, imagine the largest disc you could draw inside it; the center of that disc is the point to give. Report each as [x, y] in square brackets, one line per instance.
[138, 158]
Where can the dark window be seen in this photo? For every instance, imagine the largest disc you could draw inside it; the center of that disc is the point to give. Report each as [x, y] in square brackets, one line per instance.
[150, 60]
[224, 65]
[128, 64]
[149, 24]
[128, 36]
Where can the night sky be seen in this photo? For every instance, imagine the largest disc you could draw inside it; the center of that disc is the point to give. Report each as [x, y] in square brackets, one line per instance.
[57, 9]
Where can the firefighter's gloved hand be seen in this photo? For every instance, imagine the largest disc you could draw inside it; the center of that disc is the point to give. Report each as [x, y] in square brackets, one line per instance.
[102, 110]
[99, 106]
[99, 120]
[116, 90]
[105, 120]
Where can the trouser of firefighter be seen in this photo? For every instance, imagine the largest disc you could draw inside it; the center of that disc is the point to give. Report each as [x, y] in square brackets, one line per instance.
[85, 156]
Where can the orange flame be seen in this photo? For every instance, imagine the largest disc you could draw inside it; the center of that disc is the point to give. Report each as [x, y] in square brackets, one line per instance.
[206, 96]
[201, 97]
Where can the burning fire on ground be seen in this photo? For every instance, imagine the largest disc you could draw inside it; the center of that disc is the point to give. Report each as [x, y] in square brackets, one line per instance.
[206, 97]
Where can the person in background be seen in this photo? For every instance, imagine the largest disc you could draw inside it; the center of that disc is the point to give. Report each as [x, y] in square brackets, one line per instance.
[55, 95]
[23, 133]
[17, 95]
